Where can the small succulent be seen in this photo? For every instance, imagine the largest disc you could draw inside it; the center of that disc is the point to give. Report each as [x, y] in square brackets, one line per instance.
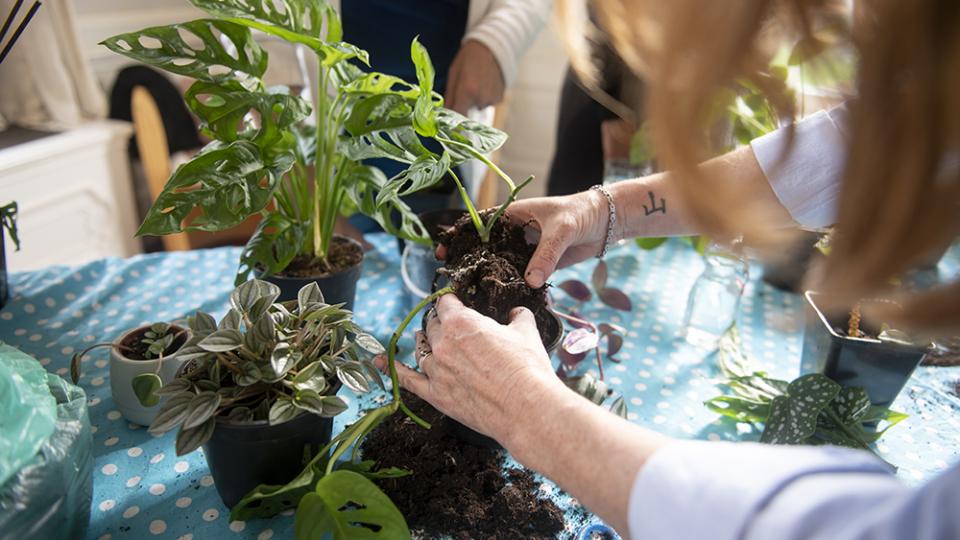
[266, 361]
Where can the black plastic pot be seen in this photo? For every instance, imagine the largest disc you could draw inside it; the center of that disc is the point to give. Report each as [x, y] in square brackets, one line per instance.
[4, 290]
[787, 274]
[881, 368]
[243, 456]
[555, 333]
[336, 288]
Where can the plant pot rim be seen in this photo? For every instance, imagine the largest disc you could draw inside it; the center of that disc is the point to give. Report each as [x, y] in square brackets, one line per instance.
[258, 273]
[810, 298]
[119, 356]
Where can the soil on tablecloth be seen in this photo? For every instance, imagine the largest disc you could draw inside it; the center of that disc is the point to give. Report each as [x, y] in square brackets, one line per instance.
[457, 489]
[489, 277]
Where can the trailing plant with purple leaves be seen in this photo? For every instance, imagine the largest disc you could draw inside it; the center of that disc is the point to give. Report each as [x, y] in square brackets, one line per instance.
[588, 337]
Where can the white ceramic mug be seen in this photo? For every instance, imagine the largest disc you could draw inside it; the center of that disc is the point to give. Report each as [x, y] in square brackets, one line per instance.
[123, 370]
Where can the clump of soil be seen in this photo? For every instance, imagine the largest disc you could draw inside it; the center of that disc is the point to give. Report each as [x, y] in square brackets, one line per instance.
[343, 254]
[489, 277]
[133, 348]
[457, 489]
[947, 354]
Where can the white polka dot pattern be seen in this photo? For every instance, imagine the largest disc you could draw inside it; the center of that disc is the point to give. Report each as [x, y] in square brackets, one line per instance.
[143, 490]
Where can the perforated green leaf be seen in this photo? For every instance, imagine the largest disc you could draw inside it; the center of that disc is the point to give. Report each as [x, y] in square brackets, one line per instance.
[227, 184]
[226, 50]
[348, 506]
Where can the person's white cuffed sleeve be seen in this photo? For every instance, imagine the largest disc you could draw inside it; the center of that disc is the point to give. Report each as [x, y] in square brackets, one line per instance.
[807, 178]
[508, 29]
[698, 489]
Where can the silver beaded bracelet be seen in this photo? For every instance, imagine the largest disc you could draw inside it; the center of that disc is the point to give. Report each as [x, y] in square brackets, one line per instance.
[611, 221]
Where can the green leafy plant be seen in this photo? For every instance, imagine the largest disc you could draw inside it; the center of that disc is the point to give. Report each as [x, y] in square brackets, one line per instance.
[8, 221]
[812, 409]
[268, 158]
[158, 342]
[331, 494]
[265, 361]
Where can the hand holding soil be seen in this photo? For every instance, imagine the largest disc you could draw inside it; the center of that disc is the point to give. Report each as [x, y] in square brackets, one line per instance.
[571, 229]
[475, 368]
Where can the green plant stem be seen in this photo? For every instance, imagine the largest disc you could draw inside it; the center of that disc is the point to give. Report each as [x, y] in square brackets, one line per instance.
[845, 429]
[392, 354]
[488, 228]
[319, 187]
[506, 178]
[472, 210]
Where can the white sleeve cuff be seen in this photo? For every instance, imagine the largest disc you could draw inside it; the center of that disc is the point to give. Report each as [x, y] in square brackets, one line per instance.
[508, 30]
[699, 489]
[807, 179]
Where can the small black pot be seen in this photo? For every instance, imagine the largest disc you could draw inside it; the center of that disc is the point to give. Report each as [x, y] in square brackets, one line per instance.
[4, 290]
[243, 456]
[336, 288]
[881, 368]
[435, 221]
[555, 333]
[787, 274]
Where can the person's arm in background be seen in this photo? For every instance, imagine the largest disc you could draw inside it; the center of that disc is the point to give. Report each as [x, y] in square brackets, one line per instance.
[492, 47]
[805, 185]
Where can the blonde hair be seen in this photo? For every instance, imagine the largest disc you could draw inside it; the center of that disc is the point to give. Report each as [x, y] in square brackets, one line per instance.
[900, 198]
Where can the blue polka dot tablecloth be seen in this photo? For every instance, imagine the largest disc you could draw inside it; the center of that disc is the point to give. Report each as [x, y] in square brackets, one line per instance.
[142, 489]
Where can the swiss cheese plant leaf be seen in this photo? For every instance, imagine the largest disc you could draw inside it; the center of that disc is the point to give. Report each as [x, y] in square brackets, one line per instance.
[370, 84]
[793, 416]
[222, 108]
[145, 387]
[577, 289]
[227, 184]
[207, 50]
[482, 138]
[425, 111]
[424, 172]
[275, 242]
[306, 17]
[362, 184]
[366, 469]
[296, 21]
[348, 506]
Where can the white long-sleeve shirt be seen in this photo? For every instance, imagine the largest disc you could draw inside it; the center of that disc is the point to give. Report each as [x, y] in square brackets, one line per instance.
[807, 178]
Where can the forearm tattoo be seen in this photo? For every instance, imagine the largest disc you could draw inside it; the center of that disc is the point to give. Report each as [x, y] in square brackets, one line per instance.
[653, 208]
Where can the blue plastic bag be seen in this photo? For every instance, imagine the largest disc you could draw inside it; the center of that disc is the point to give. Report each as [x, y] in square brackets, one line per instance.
[28, 412]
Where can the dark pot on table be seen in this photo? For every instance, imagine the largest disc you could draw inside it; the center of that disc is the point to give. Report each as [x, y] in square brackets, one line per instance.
[882, 368]
[337, 288]
[787, 273]
[551, 340]
[242, 456]
[4, 290]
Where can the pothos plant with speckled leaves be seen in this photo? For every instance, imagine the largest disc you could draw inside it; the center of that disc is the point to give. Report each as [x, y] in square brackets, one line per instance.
[812, 409]
[586, 337]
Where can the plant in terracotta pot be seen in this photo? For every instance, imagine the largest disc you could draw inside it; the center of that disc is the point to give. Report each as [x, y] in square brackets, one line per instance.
[270, 155]
[258, 389]
[141, 361]
[8, 225]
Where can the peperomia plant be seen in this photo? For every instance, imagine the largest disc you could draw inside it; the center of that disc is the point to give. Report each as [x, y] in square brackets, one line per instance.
[268, 157]
[265, 361]
[339, 498]
[812, 409]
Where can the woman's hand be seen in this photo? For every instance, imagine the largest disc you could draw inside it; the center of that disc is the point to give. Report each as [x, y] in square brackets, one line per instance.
[572, 229]
[478, 371]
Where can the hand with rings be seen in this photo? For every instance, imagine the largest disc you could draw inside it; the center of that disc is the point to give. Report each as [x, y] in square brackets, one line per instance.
[473, 368]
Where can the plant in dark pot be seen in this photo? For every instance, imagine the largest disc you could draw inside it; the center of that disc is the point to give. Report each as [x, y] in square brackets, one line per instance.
[142, 360]
[269, 155]
[8, 225]
[856, 350]
[258, 390]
